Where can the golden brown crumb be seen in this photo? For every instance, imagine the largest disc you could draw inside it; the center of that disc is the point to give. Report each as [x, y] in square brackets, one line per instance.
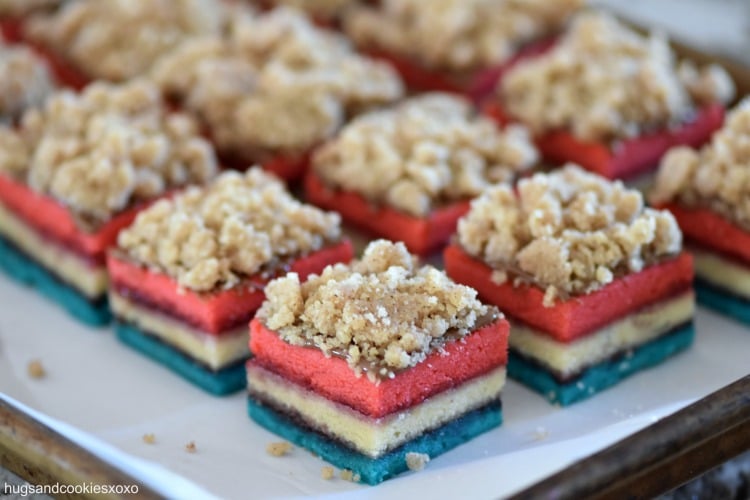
[717, 176]
[277, 69]
[457, 34]
[190, 447]
[105, 149]
[568, 232]
[149, 438]
[327, 473]
[348, 475]
[35, 369]
[214, 236]
[278, 449]
[417, 461]
[384, 310]
[118, 40]
[604, 81]
[422, 152]
[26, 80]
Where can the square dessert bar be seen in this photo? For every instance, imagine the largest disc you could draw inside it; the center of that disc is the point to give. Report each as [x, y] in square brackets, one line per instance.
[189, 274]
[75, 172]
[612, 100]
[370, 362]
[596, 287]
[434, 51]
[707, 191]
[279, 69]
[408, 173]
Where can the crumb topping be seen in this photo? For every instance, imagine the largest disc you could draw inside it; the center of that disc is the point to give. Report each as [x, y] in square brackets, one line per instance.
[25, 81]
[457, 34]
[102, 151]
[350, 476]
[213, 237]
[568, 232]
[120, 39]
[416, 461]
[717, 176]
[604, 81]
[423, 152]
[35, 369]
[277, 69]
[382, 313]
[322, 9]
[278, 449]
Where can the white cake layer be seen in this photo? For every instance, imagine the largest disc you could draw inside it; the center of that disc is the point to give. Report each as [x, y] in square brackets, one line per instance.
[88, 279]
[566, 359]
[721, 272]
[214, 351]
[369, 436]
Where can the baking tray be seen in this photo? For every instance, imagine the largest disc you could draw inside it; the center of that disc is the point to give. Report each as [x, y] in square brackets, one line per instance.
[84, 422]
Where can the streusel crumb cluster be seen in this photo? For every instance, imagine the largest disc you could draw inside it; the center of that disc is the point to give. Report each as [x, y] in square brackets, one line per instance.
[120, 39]
[105, 149]
[212, 237]
[427, 150]
[384, 312]
[275, 83]
[604, 81]
[25, 80]
[457, 34]
[568, 232]
[717, 176]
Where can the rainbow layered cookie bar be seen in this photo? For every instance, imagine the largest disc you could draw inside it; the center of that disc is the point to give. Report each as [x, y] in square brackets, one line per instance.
[116, 41]
[75, 172]
[596, 286]
[408, 173]
[25, 81]
[189, 274]
[707, 190]
[612, 100]
[279, 69]
[461, 46]
[373, 363]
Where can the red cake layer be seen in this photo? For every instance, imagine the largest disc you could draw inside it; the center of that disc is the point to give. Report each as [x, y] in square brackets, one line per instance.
[476, 354]
[476, 84]
[11, 29]
[712, 231]
[573, 318]
[212, 312]
[627, 158]
[422, 235]
[53, 220]
[64, 71]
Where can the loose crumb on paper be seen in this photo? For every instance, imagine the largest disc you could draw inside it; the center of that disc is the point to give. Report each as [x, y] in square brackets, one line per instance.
[278, 449]
[327, 473]
[540, 434]
[190, 447]
[36, 369]
[149, 438]
[417, 461]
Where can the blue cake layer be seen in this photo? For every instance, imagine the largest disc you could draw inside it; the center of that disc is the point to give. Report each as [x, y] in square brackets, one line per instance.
[603, 375]
[370, 470]
[723, 302]
[24, 269]
[219, 383]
